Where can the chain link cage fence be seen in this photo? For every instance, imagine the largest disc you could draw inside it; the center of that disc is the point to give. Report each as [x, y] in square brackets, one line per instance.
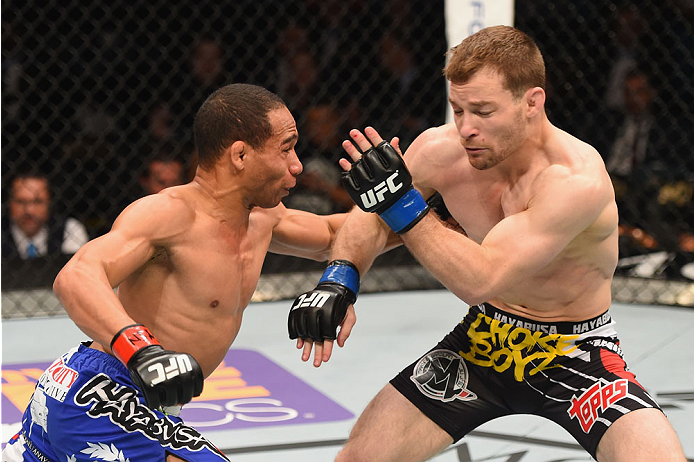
[99, 99]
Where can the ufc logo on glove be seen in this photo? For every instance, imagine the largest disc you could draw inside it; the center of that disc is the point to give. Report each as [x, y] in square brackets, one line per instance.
[146, 360]
[179, 364]
[377, 194]
[315, 299]
[375, 173]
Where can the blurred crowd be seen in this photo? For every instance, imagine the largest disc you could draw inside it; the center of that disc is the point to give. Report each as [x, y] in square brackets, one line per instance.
[624, 82]
[98, 102]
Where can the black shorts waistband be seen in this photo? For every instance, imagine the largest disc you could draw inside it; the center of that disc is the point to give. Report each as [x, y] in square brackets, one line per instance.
[561, 327]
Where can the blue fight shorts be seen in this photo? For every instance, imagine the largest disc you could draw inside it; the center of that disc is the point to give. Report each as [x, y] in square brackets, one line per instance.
[496, 363]
[86, 408]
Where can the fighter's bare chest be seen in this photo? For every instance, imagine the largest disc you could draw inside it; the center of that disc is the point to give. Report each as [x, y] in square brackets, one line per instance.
[478, 209]
[222, 268]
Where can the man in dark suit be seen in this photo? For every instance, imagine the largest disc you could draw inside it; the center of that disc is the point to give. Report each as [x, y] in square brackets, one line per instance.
[30, 230]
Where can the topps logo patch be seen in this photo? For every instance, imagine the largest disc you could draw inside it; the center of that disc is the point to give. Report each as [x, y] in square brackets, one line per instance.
[588, 407]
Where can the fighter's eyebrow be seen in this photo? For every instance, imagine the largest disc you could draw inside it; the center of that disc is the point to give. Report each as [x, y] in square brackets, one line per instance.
[290, 138]
[479, 103]
[472, 103]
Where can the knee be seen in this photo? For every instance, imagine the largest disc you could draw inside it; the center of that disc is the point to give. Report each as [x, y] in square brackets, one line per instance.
[342, 456]
[348, 454]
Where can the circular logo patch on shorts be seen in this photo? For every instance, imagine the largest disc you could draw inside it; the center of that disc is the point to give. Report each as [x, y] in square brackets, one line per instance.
[442, 375]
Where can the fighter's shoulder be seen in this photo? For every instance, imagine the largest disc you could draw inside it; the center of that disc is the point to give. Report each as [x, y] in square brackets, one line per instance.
[432, 146]
[166, 213]
[582, 173]
[166, 203]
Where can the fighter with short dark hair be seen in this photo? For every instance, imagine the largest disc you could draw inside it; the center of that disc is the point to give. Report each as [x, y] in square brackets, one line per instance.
[185, 263]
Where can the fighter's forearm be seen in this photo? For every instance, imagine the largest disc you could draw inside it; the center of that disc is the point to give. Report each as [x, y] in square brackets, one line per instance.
[362, 237]
[89, 300]
[456, 261]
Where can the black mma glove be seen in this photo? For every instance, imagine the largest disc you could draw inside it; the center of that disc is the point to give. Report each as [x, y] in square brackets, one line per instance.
[379, 182]
[166, 378]
[316, 314]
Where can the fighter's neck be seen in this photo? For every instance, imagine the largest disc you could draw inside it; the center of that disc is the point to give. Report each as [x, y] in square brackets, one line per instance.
[223, 201]
[530, 156]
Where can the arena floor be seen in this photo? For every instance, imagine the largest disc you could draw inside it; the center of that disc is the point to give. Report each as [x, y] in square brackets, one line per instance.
[264, 404]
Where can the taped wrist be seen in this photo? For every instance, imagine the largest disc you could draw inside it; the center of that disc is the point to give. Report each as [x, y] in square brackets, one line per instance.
[342, 272]
[130, 340]
[406, 211]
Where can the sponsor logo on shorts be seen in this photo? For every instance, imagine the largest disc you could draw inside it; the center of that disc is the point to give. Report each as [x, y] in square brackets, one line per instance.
[247, 390]
[506, 319]
[588, 407]
[500, 345]
[57, 379]
[120, 404]
[442, 375]
[34, 450]
[592, 324]
[608, 344]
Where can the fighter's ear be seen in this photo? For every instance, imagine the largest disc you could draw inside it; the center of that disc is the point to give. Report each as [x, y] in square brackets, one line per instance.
[237, 153]
[535, 100]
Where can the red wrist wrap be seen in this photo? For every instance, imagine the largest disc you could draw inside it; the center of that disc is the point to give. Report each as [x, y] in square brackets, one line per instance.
[131, 339]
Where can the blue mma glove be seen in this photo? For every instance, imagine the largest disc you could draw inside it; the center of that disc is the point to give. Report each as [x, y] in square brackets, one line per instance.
[379, 182]
[316, 314]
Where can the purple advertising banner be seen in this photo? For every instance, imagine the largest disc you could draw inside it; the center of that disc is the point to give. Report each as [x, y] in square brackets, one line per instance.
[247, 390]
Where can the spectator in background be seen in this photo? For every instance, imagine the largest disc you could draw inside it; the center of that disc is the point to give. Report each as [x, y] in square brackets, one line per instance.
[13, 79]
[160, 164]
[163, 171]
[633, 139]
[207, 61]
[405, 92]
[653, 182]
[162, 136]
[629, 27]
[32, 230]
[299, 79]
[162, 168]
[206, 72]
[318, 187]
[347, 16]
[92, 160]
[160, 123]
[297, 67]
[636, 149]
